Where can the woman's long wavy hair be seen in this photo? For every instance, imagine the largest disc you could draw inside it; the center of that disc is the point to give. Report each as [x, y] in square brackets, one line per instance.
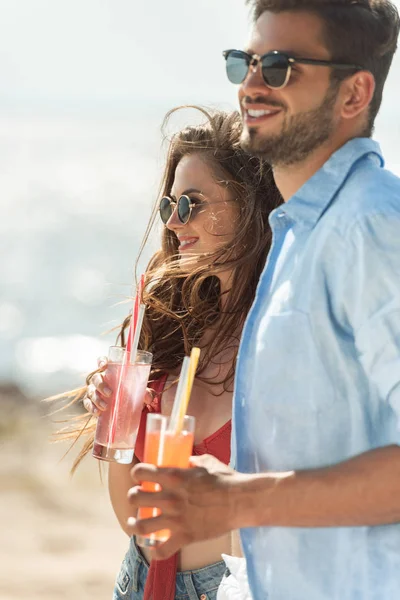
[183, 300]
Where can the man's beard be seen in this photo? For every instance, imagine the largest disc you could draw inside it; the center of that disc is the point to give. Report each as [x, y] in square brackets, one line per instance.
[301, 134]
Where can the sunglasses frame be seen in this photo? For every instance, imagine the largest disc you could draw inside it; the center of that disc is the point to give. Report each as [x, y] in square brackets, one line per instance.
[172, 202]
[253, 60]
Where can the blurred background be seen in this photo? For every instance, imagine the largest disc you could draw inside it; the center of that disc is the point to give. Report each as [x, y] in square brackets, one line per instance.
[84, 87]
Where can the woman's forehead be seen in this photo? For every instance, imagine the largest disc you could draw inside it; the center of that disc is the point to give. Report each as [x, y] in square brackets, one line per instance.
[193, 172]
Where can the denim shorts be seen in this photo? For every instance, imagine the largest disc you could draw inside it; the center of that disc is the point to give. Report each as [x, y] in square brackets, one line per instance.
[201, 584]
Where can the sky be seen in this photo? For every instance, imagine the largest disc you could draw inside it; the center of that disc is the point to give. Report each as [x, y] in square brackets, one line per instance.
[118, 57]
[108, 54]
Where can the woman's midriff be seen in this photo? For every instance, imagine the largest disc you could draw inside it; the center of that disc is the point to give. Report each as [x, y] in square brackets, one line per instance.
[236, 544]
[200, 554]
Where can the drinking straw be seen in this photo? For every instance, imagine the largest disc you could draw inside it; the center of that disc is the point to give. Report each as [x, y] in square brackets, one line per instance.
[160, 454]
[182, 383]
[130, 350]
[135, 314]
[138, 328]
[182, 400]
[163, 430]
[194, 361]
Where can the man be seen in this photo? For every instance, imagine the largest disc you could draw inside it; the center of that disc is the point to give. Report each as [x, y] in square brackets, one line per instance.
[317, 398]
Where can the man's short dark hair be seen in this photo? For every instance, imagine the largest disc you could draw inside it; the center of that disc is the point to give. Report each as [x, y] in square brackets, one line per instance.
[362, 32]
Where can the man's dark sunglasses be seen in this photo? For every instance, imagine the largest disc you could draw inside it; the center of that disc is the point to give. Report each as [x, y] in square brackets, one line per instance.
[275, 66]
[184, 208]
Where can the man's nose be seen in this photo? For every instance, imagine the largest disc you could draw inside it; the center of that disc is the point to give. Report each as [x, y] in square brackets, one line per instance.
[254, 84]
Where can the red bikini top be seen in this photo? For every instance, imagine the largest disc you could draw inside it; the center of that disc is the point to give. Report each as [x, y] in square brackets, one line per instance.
[161, 578]
[218, 443]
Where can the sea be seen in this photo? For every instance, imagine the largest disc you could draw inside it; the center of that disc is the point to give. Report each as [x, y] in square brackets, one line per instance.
[84, 87]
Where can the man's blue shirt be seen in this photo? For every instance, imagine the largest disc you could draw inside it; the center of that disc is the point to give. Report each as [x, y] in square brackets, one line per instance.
[318, 374]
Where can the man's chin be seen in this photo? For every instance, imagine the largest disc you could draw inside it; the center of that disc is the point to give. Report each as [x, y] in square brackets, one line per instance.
[255, 143]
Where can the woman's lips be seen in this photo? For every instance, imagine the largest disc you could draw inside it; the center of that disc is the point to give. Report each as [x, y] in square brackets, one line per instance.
[187, 243]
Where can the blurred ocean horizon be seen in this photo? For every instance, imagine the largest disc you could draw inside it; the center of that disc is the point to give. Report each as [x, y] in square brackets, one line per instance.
[84, 87]
[77, 195]
[83, 92]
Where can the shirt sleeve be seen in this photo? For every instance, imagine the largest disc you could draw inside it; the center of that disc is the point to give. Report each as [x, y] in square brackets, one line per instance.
[372, 301]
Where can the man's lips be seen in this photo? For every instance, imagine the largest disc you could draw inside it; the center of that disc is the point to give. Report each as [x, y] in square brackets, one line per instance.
[258, 113]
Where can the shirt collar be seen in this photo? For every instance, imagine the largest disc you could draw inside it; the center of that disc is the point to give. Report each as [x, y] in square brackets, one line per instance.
[312, 199]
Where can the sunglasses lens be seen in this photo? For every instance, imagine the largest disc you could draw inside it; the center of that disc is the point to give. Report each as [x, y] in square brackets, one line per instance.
[165, 210]
[274, 69]
[237, 66]
[184, 209]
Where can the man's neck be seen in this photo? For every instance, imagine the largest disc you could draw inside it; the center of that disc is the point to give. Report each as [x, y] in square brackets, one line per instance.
[289, 179]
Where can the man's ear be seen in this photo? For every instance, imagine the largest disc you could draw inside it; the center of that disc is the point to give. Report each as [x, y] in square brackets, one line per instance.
[357, 93]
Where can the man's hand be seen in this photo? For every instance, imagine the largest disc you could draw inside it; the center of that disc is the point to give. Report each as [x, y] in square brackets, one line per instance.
[196, 504]
[211, 499]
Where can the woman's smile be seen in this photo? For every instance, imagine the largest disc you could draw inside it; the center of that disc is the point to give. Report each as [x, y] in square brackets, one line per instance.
[186, 242]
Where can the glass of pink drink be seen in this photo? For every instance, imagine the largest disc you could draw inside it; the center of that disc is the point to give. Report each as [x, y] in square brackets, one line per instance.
[118, 424]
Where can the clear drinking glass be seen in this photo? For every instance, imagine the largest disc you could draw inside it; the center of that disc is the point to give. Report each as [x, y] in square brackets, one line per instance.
[118, 424]
[164, 448]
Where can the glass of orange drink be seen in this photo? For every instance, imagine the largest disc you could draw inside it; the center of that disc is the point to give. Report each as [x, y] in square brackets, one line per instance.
[164, 448]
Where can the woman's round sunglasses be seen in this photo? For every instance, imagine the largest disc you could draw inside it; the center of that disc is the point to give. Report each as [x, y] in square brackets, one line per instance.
[184, 207]
[275, 66]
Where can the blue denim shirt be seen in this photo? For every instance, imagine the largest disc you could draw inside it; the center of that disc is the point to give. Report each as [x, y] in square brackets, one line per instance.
[318, 374]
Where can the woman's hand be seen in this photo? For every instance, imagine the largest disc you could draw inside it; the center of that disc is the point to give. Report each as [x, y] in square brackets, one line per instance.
[98, 393]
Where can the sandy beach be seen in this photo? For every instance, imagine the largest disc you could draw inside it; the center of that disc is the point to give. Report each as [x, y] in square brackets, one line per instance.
[60, 538]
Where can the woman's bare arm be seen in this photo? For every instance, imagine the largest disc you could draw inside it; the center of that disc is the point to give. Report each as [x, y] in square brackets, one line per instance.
[119, 482]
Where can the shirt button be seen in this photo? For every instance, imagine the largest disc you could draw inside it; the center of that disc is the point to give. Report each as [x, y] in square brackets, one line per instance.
[283, 219]
[203, 597]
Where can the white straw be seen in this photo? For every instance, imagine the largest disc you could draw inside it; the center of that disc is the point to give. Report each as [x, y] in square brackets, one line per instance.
[182, 383]
[135, 341]
[160, 454]
[163, 430]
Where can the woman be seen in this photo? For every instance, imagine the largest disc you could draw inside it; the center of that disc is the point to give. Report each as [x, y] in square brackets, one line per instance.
[198, 289]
